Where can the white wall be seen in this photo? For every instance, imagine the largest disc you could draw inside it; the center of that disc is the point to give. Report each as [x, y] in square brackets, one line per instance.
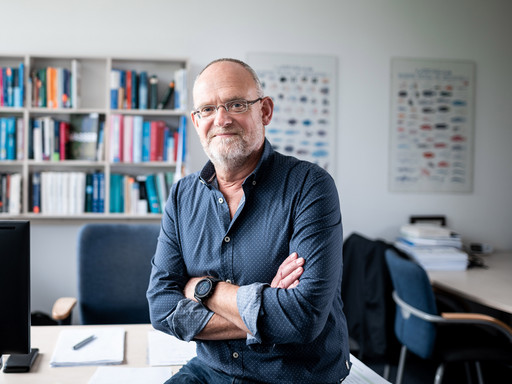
[364, 35]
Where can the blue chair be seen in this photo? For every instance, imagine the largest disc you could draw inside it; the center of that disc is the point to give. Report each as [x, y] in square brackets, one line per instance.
[114, 265]
[444, 338]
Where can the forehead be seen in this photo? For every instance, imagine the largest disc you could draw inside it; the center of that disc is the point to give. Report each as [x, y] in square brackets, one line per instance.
[223, 81]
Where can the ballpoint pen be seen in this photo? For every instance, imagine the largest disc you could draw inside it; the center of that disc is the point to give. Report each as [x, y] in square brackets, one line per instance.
[84, 342]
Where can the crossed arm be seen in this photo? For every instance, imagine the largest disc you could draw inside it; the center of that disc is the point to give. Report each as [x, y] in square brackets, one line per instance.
[226, 323]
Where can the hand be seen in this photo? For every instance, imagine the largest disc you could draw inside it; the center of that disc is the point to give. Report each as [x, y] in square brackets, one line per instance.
[190, 287]
[289, 271]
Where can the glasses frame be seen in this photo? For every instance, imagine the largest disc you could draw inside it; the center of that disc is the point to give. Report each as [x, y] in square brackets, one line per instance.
[197, 112]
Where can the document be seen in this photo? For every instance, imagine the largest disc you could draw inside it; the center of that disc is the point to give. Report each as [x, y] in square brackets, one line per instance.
[103, 346]
[126, 375]
[361, 374]
[165, 349]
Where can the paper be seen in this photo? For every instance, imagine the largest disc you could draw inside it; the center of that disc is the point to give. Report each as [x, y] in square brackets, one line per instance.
[361, 374]
[106, 348]
[126, 375]
[165, 349]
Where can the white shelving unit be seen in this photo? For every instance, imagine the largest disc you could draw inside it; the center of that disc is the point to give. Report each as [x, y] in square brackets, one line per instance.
[94, 97]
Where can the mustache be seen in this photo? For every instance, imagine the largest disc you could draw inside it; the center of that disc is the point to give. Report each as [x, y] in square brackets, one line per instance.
[217, 132]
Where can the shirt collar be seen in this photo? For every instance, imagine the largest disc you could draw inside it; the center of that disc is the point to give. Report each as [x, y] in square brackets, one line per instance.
[208, 175]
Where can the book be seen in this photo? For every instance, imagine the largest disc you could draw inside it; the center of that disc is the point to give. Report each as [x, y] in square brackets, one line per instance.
[116, 193]
[20, 138]
[146, 140]
[115, 138]
[83, 136]
[137, 139]
[167, 97]
[156, 141]
[154, 204]
[143, 90]
[100, 146]
[76, 79]
[14, 193]
[436, 258]
[36, 192]
[89, 189]
[115, 85]
[127, 139]
[3, 138]
[153, 92]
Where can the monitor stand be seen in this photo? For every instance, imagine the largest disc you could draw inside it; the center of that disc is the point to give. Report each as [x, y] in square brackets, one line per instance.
[16, 363]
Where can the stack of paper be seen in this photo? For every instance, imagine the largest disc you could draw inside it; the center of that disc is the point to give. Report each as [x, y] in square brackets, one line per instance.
[106, 348]
[435, 248]
[165, 349]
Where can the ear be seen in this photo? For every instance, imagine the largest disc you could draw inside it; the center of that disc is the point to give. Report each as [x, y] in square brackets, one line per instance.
[267, 110]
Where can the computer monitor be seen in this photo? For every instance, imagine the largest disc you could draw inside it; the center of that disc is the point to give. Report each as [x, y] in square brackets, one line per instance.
[14, 287]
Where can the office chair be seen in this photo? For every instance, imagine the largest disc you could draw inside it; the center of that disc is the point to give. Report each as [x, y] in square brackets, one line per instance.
[444, 338]
[114, 264]
[366, 292]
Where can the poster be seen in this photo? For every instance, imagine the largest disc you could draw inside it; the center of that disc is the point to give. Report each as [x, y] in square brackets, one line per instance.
[304, 91]
[432, 108]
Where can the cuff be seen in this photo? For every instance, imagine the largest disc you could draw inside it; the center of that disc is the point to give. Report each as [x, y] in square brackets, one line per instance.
[249, 300]
[188, 319]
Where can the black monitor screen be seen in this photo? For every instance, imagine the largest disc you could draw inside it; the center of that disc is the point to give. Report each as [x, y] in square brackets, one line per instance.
[14, 287]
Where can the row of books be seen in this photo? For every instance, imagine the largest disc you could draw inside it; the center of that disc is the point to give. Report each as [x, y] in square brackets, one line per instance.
[12, 87]
[10, 193]
[433, 247]
[11, 138]
[79, 139]
[56, 87]
[140, 194]
[132, 90]
[135, 140]
[71, 193]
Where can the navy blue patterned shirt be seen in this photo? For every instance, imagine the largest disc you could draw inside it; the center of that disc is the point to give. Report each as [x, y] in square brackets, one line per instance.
[299, 335]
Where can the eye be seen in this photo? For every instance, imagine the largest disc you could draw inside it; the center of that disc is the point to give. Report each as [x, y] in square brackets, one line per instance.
[237, 105]
[207, 110]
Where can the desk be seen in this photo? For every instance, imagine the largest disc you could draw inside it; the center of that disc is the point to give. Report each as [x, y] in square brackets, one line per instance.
[491, 287]
[45, 339]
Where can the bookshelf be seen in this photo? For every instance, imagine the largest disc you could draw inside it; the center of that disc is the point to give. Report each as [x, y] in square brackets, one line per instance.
[75, 120]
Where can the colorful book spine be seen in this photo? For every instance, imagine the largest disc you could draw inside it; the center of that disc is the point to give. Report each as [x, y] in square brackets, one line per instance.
[146, 141]
[154, 204]
[143, 90]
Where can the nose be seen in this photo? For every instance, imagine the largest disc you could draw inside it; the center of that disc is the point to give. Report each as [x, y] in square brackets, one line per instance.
[222, 117]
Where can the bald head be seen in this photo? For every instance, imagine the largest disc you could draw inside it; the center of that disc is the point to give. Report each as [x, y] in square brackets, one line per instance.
[227, 67]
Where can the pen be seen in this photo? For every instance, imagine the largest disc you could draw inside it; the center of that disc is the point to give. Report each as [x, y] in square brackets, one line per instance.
[84, 342]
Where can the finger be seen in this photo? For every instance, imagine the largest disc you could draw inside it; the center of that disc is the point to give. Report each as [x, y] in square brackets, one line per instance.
[288, 280]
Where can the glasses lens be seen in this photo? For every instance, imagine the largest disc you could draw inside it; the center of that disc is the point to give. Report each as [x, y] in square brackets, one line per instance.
[237, 106]
[207, 110]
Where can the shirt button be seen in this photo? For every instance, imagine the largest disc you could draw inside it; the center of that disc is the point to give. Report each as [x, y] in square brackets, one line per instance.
[227, 239]
[221, 200]
[254, 182]
[228, 281]
[235, 355]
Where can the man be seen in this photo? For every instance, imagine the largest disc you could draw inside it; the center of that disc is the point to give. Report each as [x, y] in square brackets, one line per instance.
[248, 262]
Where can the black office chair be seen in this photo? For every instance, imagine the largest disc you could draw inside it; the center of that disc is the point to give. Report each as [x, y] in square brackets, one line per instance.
[368, 306]
[114, 265]
[444, 338]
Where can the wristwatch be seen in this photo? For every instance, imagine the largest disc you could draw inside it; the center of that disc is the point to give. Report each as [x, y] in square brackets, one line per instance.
[204, 289]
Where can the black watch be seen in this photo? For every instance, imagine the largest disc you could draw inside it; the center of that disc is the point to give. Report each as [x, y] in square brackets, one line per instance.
[204, 289]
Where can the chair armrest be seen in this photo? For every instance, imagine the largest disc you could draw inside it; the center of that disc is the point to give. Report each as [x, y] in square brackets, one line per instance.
[479, 318]
[62, 307]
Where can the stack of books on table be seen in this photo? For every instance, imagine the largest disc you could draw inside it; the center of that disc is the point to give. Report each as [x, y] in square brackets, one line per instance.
[434, 248]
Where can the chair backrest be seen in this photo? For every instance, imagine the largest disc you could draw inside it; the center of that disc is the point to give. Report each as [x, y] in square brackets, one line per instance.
[114, 264]
[411, 283]
[366, 292]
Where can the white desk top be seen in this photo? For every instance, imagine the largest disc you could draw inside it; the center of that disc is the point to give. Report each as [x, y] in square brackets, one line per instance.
[491, 287]
[136, 344]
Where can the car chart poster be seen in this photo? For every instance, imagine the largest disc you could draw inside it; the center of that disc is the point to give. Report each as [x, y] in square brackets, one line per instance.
[432, 104]
[303, 88]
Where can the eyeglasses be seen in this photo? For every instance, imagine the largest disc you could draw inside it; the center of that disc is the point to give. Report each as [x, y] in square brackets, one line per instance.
[233, 106]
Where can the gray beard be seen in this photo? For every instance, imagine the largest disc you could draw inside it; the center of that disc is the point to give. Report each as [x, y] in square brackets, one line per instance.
[230, 156]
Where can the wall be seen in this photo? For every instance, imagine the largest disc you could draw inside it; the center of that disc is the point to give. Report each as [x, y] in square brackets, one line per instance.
[363, 35]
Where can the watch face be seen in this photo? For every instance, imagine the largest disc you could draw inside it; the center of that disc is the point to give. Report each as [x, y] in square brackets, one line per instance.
[203, 287]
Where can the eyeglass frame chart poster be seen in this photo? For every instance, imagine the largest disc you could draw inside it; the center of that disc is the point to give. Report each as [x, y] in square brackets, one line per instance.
[304, 91]
[432, 124]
